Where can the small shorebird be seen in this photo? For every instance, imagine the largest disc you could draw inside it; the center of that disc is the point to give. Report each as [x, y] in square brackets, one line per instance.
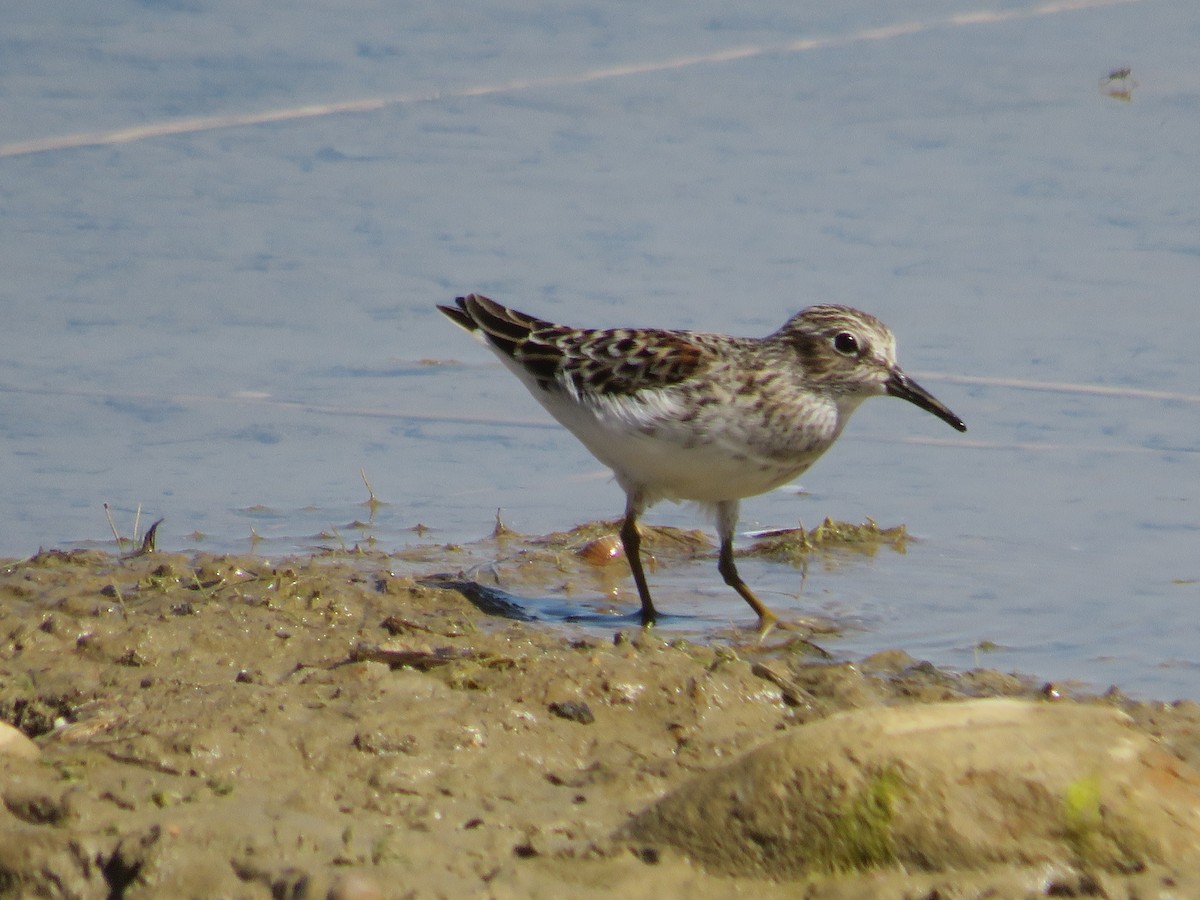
[681, 415]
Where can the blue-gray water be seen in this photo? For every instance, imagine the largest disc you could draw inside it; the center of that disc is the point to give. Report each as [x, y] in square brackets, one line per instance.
[225, 322]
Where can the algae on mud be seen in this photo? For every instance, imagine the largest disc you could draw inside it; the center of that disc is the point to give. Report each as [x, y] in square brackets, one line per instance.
[796, 545]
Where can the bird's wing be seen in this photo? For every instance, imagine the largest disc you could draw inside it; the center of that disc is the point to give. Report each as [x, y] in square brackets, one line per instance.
[620, 361]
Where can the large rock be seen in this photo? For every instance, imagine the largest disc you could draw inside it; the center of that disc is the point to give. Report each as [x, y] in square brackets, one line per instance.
[938, 787]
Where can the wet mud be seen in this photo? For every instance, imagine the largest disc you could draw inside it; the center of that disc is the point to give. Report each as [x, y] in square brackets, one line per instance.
[354, 724]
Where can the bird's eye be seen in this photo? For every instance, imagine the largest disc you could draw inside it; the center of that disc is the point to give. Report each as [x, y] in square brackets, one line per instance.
[845, 343]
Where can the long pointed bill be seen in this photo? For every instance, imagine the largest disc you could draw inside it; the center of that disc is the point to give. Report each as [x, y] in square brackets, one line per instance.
[900, 385]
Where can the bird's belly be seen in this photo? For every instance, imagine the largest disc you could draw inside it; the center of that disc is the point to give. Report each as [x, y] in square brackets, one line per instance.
[659, 453]
[706, 473]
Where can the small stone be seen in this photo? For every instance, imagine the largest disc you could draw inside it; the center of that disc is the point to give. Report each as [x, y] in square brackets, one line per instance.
[576, 711]
[355, 886]
[13, 742]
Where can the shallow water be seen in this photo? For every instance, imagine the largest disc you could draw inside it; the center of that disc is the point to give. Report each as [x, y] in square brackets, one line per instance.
[225, 323]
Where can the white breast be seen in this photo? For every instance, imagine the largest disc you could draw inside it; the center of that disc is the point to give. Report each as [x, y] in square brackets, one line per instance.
[722, 455]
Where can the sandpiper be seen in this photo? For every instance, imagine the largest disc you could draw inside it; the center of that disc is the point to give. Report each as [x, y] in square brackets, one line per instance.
[682, 415]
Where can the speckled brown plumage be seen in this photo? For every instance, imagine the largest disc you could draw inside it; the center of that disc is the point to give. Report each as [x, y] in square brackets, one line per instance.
[684, 415]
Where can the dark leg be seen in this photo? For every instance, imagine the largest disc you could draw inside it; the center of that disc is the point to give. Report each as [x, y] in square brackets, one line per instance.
[632, 542]
[727, 515]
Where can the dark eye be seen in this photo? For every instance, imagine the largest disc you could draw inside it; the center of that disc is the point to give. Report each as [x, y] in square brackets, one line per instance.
[845, 343]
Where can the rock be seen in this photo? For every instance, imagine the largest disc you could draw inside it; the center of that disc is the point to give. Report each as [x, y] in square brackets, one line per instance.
[13, 742]
[574, 711]
[937, 787]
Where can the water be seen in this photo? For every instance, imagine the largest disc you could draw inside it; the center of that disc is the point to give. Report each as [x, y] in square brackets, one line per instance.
[223, 324]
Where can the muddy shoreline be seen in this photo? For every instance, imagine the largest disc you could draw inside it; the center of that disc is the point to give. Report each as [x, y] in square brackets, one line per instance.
[322, 726]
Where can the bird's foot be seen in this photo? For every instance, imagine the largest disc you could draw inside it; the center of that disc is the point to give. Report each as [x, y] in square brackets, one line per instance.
[767, 623]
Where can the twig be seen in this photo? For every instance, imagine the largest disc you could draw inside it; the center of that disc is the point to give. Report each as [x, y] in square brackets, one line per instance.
[372, 500]
[112, 525]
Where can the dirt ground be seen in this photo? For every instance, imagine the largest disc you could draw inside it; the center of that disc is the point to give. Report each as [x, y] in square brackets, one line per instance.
[324, 727]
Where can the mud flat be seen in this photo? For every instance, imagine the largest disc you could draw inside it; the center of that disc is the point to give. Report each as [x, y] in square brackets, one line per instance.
[336, 726]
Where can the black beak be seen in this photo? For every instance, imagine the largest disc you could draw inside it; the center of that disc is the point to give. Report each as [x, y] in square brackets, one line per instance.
[900, 385]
